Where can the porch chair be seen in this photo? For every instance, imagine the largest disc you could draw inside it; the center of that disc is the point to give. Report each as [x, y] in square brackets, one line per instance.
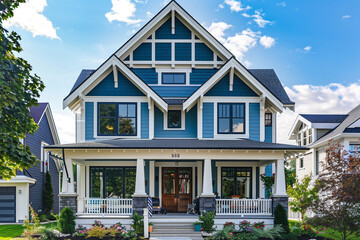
[156, 205]
[191, 208]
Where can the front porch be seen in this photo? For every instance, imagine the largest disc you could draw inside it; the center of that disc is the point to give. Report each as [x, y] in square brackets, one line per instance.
[112, 184]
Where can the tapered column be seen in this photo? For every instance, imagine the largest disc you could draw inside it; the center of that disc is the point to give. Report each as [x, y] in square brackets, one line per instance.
[207, 180]
[280, 183]
[140, 179]
[139, 197]
[207, 198]
[152, 179]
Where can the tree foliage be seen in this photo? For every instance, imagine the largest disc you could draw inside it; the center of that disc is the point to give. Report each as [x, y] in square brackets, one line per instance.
[302, 195]
[66, 222]
[19, 90]
[339, 188]
[48, 195]
[281, 218]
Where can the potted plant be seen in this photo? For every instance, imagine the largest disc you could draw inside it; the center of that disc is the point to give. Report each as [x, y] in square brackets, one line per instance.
[151, 227]
[197, 226]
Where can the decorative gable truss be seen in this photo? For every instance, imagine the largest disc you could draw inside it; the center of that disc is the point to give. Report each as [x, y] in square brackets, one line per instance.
[236, 70]
[112, 65]
[173, 38]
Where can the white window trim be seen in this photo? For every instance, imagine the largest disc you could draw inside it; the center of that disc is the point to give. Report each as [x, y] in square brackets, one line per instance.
[182, 119]
[187, 72]
[137, 100]
[44, 159]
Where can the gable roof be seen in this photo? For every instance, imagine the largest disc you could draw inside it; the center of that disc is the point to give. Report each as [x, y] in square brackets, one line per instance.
[343, 127]
[38, 112]
[325, 118]
[89, 77]
[173, 6]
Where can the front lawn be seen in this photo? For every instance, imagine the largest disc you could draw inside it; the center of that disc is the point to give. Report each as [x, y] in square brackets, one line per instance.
[10, 231]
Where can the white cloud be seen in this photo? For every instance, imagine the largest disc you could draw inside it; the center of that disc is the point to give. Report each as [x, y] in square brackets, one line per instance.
[221, 6]
[65, 125]
[246, 15]
[307, 49]
[258, 18]
[122, 11]
[346, 16]
[149, 14]
[267, 41]
[281, 4]
[334, 98]
[165, 2]
[241, 42]
[29, 16]
[236, 6]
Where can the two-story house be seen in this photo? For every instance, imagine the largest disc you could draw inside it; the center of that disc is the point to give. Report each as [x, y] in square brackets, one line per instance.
[172, 114]
[28, 185]
[315, 131]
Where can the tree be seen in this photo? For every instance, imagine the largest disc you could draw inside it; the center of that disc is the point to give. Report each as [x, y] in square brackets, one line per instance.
[290, 173]
[66, 222]
[338, 207]
[19, 90]
[48, 195]
[280, 218]
[302, 195]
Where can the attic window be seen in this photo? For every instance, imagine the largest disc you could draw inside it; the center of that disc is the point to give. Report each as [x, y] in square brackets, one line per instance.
[268, 119]
[174, 78]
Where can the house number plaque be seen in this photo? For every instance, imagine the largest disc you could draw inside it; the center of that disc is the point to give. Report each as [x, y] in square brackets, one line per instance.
[175, 155]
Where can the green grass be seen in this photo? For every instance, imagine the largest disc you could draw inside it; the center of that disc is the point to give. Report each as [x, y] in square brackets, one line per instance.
[8, 232]
[328, 233]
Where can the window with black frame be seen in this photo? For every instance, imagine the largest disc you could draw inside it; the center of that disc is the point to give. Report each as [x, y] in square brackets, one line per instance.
[268, 119]
[236, 182]
[117, 119]
[174, 119]
[231, 118]
[112, 182]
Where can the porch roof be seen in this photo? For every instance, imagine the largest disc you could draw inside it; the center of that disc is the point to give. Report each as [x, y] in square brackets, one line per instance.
[178, 144]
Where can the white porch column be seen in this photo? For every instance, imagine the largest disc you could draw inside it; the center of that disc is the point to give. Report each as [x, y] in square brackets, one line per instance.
[280, 184]
[152, 179]
[68, 184]
[81, 186]
[262, 186]
[140, 179]
[207, 182]
[199, 175]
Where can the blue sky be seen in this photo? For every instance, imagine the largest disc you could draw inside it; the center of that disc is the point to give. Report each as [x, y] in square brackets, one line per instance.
[312, 45]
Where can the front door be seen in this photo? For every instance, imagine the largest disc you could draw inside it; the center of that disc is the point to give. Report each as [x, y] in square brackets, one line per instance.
[176, 189]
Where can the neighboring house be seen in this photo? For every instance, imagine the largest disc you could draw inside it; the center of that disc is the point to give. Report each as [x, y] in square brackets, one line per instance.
[27, 187]
[173, 115]
[315, 131]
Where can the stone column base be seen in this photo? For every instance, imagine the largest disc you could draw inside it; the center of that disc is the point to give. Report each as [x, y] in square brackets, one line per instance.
[282, 200]
[207, 204]
[68, 200]
[139, 203]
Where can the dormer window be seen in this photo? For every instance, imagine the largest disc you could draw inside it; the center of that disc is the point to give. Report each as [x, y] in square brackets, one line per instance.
[117, 119]
[268, 119]
[174, 78]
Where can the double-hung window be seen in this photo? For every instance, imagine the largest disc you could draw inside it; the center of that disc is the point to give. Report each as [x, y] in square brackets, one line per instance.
[117, 119]
[174, 119]
[268, 119]
[231, 118]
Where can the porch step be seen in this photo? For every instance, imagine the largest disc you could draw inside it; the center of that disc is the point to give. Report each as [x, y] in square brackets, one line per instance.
[172, 229]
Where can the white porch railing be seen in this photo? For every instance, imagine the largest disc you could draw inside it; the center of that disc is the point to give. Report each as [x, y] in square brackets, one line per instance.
[107, 206]
[243, 206]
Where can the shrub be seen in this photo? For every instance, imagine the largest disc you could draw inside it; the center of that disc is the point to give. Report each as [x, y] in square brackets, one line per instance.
[245, 236]
[48, 195]
[29, 228]
[138, 224]
[223, 234]
[67, 221]
[280, 218]
[207, 221]
[245, 226]
[47, 234]
[230, 225]
[96, 232]
[80, 231]
[43, 218]
[270, 233]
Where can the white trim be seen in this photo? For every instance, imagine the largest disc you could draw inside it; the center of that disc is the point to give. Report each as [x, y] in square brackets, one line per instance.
[161, 15]
[222, 72]
[127, 72]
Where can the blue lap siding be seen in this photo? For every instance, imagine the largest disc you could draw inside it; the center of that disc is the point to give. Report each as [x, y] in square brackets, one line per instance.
[181, 31]
[89, 121]
[268, 134]
[43, 134]
[174, 91]
[190, 125]
[182, 51]
[199, 76]
[203, 52]
[254, 121]
[144, 120]
[208, 120]
[142, 52]
[107, 87]
[163, 51]
[148, 75]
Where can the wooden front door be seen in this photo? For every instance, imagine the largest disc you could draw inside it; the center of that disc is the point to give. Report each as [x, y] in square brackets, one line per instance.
[176, 189]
